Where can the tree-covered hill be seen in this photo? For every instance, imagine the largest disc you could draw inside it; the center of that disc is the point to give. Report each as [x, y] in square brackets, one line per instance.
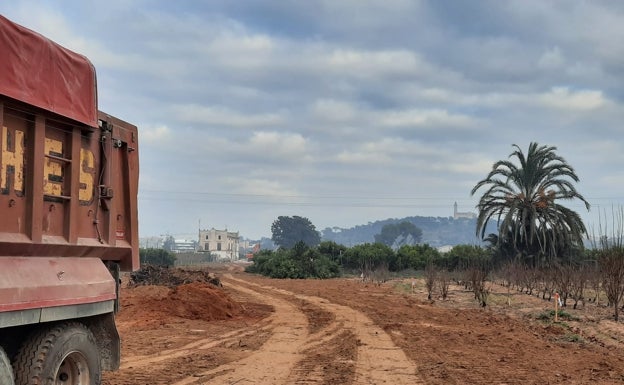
[437, 231]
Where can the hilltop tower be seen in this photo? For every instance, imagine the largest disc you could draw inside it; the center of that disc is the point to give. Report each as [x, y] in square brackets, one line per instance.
[458, 214]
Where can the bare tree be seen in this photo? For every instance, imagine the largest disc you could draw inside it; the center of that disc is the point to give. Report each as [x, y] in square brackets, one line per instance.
[444, 281]
[430, 279]
[563, 274]
[531, 278]
[578, 284]
[611, 263]
[549, 282]
[610, 256]
[506, 273]
[476, 274]
[595, 283]
[380, 274]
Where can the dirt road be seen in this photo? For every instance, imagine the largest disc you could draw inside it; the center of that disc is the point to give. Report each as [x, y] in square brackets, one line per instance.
[262, 331]
[376, 360]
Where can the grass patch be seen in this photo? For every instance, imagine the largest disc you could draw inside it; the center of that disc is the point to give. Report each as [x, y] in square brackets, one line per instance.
[573, 337]
[499, 299]
[403, 288]
[561, 315]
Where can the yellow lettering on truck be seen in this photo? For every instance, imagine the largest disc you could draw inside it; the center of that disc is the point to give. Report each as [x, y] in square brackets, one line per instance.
[14, 159]
[87, 167]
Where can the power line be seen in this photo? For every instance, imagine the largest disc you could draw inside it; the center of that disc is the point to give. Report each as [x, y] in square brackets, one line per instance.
[346, 196]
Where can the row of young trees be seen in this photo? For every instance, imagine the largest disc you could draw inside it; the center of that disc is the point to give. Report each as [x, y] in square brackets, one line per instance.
[330, 259]
[600, 273]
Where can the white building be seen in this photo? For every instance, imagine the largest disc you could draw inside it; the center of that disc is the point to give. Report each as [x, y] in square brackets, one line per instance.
[458, 214]
[182, 246]
[223, 244]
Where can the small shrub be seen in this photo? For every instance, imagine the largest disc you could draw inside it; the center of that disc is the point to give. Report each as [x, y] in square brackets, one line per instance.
[561, 315]
[544, 316]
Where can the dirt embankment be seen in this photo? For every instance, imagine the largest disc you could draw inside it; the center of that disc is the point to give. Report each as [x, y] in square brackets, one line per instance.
[254, 330]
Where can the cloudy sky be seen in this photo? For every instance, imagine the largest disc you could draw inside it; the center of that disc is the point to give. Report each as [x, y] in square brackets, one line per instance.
[346, 111]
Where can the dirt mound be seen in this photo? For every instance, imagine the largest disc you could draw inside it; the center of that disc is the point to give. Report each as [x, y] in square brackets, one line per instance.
[168, 276]
[201, 301]
[147, 305]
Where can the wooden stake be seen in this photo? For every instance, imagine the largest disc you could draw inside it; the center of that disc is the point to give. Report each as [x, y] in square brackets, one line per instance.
[556, 306]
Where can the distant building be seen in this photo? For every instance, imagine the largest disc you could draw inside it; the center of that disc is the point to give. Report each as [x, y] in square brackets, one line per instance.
[458, 215]
[223, 244]
[253, 250]
[181, 246]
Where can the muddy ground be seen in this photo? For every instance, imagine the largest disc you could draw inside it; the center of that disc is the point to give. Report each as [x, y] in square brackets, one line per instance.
[255, 330]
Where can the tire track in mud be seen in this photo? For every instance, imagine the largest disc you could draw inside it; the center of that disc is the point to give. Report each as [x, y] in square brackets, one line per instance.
[274, 361]
[202, 344]
[378, 360]
[312, 341]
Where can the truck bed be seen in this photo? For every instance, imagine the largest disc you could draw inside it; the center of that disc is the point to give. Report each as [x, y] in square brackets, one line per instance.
[68, 172]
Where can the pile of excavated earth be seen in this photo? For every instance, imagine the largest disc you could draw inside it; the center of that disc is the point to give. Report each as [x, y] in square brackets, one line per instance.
[171, 277]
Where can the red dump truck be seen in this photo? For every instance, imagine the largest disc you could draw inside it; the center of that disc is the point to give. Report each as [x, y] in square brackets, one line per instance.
[68, 215]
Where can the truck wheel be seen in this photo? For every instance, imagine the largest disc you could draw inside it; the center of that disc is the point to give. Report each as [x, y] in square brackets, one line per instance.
[65, 354]
[6, 371]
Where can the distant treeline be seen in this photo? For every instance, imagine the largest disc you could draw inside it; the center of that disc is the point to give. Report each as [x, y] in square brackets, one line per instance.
[437, 231]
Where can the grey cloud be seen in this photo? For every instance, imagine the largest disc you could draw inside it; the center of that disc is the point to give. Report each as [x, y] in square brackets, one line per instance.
[396, 101]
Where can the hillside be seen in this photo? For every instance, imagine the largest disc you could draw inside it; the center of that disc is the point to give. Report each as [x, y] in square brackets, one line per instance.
[437, 231]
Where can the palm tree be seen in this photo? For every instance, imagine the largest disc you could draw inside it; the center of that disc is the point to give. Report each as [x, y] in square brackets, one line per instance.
[500, 249]
[524, 200]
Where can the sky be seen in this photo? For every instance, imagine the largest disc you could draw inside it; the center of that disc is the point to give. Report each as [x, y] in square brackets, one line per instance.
[346, 111]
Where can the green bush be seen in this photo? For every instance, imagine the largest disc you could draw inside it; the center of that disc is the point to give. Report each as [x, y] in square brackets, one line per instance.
[298, 262]
[325, 268]
[158, 257]
[415, 257]
[280, 266]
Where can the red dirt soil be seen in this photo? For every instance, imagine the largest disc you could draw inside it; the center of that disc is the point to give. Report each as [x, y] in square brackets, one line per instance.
[256, 330]
[145, 305]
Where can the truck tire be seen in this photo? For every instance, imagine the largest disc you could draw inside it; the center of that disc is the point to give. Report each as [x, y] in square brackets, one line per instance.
[62, 354]
[6, 371]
